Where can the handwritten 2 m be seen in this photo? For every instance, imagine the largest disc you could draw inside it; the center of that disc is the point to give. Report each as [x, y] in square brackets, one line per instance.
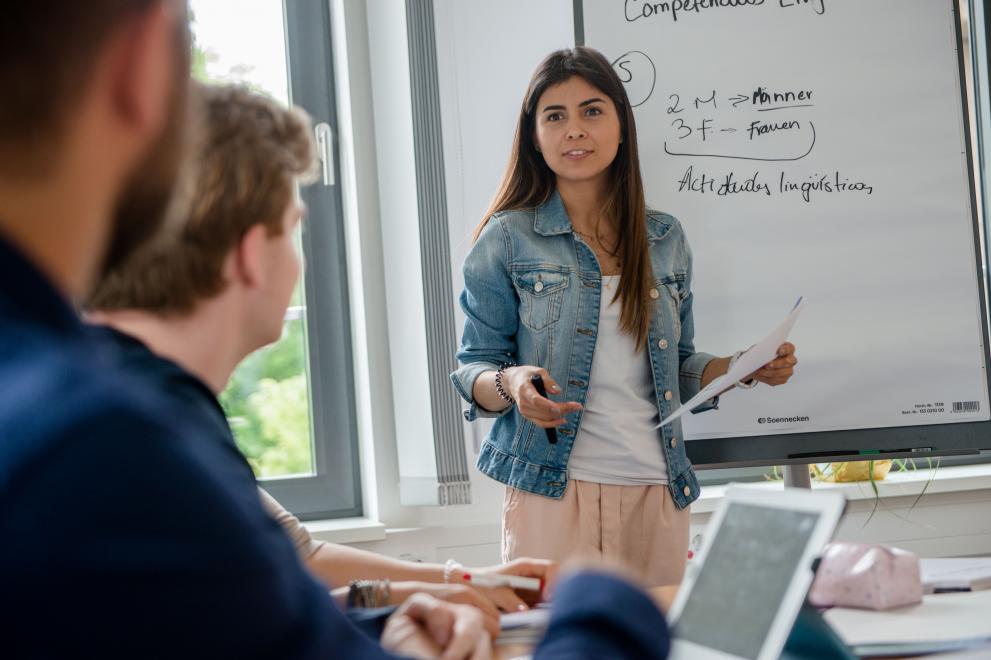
[634, 10]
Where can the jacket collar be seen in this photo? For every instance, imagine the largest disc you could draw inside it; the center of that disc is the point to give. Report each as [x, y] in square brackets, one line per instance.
[551, 219]
[657, 225]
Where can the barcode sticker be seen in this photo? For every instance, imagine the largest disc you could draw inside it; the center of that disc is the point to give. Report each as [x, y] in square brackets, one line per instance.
[966, 406]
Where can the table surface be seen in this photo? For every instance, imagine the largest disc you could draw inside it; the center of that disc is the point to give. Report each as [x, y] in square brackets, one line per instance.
[939, 616]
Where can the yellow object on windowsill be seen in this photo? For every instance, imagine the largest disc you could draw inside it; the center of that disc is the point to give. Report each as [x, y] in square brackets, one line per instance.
[852, 471]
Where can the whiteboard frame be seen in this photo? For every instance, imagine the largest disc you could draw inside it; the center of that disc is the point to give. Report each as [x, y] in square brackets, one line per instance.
[932, 440]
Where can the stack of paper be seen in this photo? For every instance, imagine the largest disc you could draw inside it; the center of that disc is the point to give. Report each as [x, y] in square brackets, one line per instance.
[525, 627]
[965, 574]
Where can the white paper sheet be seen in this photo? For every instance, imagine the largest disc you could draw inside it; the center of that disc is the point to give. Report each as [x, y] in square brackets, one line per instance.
[526, 627]
[956, 573]
[939, 617]
[753, 359]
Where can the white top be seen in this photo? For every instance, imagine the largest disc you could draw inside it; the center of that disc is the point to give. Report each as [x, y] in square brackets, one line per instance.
[617, 442]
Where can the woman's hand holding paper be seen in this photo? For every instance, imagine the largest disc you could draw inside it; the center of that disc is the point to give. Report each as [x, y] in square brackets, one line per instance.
[779, 370]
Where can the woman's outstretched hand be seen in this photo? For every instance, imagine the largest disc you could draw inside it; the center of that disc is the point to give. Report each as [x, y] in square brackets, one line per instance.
[780, 369]
[542, 411]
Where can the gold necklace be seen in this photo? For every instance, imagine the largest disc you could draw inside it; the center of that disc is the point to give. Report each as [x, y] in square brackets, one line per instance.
[590, 239]
[594, 238]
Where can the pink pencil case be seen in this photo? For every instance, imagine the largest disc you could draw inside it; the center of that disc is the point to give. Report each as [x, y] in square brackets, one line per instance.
[868, 576]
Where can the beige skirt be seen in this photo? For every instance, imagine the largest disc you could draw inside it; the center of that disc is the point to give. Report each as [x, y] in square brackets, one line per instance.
[638, 526]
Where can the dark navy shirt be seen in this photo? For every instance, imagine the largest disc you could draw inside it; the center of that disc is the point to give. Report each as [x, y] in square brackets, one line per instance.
[130, 525]
[199, 402]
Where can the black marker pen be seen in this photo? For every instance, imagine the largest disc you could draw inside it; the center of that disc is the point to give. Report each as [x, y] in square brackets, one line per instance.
[538, 384]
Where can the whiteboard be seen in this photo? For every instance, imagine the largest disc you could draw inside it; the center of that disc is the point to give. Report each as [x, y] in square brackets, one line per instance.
[818, 149]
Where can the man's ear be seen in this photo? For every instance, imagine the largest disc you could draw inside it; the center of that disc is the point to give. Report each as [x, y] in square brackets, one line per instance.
[248, 257]
[143, 61]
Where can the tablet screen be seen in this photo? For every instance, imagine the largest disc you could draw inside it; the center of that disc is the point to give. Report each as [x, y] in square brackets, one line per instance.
[746, 573]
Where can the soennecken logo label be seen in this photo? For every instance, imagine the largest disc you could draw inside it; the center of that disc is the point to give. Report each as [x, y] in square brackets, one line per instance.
[782, 420]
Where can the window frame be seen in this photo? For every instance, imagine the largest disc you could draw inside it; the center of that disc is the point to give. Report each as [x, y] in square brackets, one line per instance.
[333, 490]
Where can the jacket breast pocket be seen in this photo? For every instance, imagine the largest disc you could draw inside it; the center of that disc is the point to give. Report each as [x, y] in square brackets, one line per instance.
[541, 294]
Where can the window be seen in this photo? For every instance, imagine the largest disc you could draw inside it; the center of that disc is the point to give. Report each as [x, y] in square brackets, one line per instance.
[291, 404]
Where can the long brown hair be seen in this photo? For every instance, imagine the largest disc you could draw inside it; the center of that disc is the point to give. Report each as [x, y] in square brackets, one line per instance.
[529, 182]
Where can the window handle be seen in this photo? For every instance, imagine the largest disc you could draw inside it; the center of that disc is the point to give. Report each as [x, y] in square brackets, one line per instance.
[325, 152]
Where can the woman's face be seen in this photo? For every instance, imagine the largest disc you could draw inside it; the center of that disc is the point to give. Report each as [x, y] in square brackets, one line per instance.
[577, 131]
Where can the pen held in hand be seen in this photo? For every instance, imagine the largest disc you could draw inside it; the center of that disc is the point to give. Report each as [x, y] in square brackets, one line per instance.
[511, 581]
[538, 383]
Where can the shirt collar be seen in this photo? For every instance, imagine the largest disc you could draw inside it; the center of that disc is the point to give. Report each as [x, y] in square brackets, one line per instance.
[25, 293]
[133, 354]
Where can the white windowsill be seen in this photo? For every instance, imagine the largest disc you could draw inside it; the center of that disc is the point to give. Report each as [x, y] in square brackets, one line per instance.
[346, 530]
[896, 484]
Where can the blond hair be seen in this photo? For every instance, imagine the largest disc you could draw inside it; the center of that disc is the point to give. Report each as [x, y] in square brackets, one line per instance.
[251, 151]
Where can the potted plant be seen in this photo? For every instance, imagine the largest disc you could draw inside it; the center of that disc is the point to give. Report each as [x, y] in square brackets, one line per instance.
[870, 470]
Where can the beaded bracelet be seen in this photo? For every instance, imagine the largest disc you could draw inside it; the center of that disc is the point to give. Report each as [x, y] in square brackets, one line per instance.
[498, 382]
[386, 588]
[360, 593]
[369, 593]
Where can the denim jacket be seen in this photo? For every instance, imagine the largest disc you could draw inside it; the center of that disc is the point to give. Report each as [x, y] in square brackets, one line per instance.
[531, 296]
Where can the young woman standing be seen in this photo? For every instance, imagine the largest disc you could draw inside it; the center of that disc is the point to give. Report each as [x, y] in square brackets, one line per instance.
[573, 278]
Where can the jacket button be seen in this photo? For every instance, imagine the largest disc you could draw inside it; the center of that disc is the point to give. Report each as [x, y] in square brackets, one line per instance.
[668, 395]
[674, 442]
[687, 491]
[662, 344]
[538, 287]
[654, 294]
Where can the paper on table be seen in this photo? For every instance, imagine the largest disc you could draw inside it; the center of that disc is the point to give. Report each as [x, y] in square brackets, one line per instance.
[526, 627]
[939, 617]
[753, 359]
[956, 573]
[535, 617]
